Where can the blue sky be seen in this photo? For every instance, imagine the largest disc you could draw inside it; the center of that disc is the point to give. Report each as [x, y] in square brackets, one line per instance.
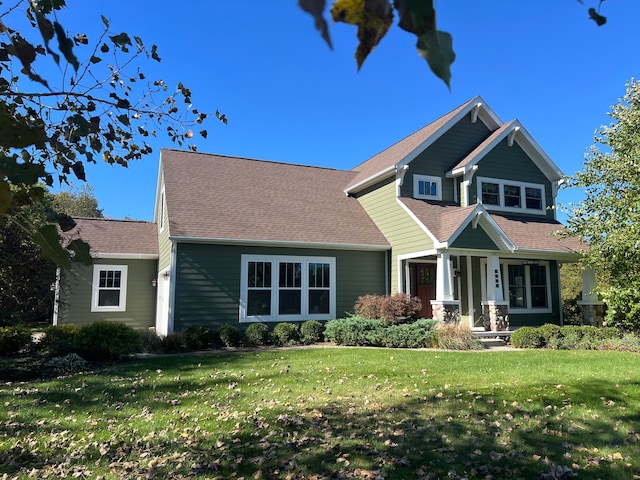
[289, 98]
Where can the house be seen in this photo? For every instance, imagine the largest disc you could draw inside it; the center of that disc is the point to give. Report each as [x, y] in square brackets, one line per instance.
[460, 213]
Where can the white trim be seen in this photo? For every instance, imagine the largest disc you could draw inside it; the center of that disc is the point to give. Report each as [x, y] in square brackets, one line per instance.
[523, 198]
[173, 262]
[276, 243]
[421, 253]
[95, 288]
[56, 298]
[304, 288]
[427, 178]
[126, 256]
[372, 180]
[469, 291]
[436, 242]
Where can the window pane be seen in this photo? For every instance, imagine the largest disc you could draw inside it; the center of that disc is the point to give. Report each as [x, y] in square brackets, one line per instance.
[318, 275]
[427, 188]
[534, 198]
[290, 302]
[538, 274]
[259, 302]
[318, 301]
[103, 278]
[109, 298]
[290, 274]
[539, 297]
[490, 193]
[259, 274]
[517, 290]
[512, 196]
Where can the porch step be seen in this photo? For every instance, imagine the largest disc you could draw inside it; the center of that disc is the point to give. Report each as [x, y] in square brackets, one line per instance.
[493, 342]
[493, 339]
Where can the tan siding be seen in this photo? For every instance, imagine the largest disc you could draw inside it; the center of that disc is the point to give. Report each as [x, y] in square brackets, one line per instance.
[164, 244]
[397, 226]
[75, 301]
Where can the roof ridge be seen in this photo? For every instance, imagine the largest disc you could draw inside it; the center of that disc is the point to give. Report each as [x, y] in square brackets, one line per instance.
[105, 219]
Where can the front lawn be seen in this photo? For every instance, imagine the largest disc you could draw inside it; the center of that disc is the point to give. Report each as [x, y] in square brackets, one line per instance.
[332, 413]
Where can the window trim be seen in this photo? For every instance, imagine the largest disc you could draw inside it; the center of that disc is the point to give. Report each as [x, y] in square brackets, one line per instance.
[275, 260]
[95, 288]
[427, 178]
[523, 195]
[504, 271]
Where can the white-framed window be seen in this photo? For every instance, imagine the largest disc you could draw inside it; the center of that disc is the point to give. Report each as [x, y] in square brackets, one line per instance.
[511, 196]
[277, 288]
[427, 187]
[109, 288]
[526, 285]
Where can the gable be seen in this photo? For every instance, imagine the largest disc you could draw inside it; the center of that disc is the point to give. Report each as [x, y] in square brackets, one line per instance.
[474, 238]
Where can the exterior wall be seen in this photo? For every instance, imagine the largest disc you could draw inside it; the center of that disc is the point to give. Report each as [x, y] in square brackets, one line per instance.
[475, 238]
[75, 295]
[208, 280]
[164, 244]
[510, 163]
[444, 153]
[395, 224]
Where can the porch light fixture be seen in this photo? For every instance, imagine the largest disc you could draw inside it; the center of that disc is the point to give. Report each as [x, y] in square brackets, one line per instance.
[165, 275]
[154, 282]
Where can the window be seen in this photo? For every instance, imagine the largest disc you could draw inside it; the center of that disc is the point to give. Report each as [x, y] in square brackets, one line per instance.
[427, 187]
[281, 288]
[109, 288]
[528, 286]
[511, 196]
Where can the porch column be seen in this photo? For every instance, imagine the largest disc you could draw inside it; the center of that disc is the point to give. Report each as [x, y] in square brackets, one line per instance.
[444, 307]
[591, 308]
[495, 310]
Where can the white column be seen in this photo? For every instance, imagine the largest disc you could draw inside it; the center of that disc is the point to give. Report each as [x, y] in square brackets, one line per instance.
[589, 285]
[494, 279]
[444, 281]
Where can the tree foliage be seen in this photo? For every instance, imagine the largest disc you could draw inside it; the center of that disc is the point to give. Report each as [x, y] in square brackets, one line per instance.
[418, 17]
[77, 202]
[96, 103]
[609, 216]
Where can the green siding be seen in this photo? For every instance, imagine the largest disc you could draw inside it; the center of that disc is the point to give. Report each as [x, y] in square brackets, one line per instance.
[164, 244]
[402, 232]
[75, 292]
[510, 163]
[444, 153]
[474, 238]
[208, 280]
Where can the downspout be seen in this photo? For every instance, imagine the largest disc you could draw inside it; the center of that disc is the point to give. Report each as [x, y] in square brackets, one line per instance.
[56, 297]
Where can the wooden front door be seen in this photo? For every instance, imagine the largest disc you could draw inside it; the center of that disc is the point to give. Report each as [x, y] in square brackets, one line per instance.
[424, 285]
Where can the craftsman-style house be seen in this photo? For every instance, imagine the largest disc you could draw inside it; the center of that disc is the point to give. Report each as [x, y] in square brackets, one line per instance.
[460, 213]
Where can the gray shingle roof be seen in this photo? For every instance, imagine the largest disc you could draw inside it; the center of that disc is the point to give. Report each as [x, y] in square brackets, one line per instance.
[124, 237]
[230, 198]
[528, 233]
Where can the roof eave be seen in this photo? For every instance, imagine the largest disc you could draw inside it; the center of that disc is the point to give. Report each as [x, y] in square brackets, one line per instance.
[280, 243]
[372, 180]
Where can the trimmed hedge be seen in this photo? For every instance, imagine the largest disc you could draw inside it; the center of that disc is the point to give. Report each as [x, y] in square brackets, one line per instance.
[58, 339]
[229, 335]
[197, 337]
[357, 331]
[311, 331]
[286, 333]
[527, 337]
[13, 339]
[107, 341]
[257, 335]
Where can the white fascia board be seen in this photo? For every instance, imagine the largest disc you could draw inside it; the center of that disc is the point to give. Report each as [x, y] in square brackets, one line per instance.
[480, 211]
[276, 243]
[158, 191]
[127, 256]
[436, 242]
[419, 254]
[372, 180]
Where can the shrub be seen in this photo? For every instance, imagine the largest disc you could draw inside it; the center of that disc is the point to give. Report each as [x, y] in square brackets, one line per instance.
[359, 331]
[151, 342]
[419, 334]
[13, 339]
[286, 333]
[197, 337]
[107, 341]
[311, 331]
[67, 365]
[351, 330]
[398, 308]
[229, 335]
[58, 339]
[172, 343]
[628, 342]
[257, 335]
[549, 332]
[454, 336]
[527, 337]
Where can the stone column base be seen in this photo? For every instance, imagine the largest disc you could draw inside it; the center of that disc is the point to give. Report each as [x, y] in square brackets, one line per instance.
[495, 315]
[447, 311]
[591, 313]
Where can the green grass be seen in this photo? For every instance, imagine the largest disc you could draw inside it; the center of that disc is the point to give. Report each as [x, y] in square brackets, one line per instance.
[333, 413]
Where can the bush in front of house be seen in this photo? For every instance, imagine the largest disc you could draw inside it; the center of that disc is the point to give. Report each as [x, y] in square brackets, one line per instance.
[455, 336]
[311, 331]
[419, 334]
[550, 333]
[229, 335]
[197, 337]
[58, 339]
[351, 331]
[397, 308]
[107, 341]
[363, 332]
[257, 335]
[527, 337]
[13, 339]
[66, 365]
[286, 333]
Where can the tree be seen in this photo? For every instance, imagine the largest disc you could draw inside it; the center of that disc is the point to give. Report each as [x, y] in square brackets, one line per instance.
[374, 18]
[99, 105]
[609, 216]
[77, 202]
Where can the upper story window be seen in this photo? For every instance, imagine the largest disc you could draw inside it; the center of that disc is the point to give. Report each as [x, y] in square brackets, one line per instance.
[509, 195]
[109, 288]
[427, 187]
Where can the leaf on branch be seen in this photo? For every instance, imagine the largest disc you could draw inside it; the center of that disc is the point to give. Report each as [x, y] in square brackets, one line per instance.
[78, 170]
[220, 116]
[416, 16]
[65, 45]
[154, 53]
[316, 9]
[124, 119]
[104, 48]
[6, 197]
[82, 251]
[596, 17]
[48, 240]
[81, 39]
[372, 17]
[95, 59]
[16, 132]
[47, 32]
[203, 133]
[122, 40]
[82, 126]
[436, 48]
[105, 21]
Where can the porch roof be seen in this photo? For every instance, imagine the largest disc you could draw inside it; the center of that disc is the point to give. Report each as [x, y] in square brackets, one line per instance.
[529, 233]
[116, 237]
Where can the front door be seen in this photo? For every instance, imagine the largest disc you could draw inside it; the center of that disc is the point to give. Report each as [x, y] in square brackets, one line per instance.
[424, 285]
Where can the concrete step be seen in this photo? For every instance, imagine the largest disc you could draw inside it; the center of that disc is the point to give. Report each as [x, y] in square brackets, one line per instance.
[493, 342]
